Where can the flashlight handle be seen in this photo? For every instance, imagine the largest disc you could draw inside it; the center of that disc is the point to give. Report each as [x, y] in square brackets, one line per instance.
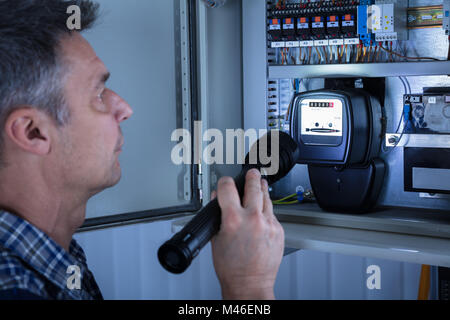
[177, 253]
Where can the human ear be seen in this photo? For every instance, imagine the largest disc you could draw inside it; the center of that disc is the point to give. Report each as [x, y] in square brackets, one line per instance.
[29, 129]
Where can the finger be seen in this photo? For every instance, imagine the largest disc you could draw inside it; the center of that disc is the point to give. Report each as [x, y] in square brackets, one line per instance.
[227, 194]
[267, 202]
[253, 197]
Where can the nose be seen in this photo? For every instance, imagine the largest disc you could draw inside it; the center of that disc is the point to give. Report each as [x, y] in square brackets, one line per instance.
[122, 110]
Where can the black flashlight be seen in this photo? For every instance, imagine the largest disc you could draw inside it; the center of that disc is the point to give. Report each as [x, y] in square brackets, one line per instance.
[176, 254]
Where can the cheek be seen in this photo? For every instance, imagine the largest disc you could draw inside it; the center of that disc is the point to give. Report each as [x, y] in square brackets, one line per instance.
[100, 144]
[92, 143]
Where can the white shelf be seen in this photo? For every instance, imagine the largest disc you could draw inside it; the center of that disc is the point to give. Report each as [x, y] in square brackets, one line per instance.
[366, 243]
[410, 235]
[393, 69]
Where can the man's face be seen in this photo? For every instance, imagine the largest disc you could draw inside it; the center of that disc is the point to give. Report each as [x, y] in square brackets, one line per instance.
[91, 142]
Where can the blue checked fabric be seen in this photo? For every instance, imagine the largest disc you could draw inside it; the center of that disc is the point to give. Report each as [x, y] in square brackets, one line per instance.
[31, 261]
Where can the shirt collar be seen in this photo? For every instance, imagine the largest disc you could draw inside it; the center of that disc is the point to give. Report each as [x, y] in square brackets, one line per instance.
[39, 251]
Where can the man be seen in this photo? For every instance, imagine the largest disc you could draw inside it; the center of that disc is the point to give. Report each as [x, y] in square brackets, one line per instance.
[59, 145]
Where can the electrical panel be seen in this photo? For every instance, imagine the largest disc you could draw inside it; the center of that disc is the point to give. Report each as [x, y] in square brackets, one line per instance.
[305, 33]
[334, 23]
[393, 42]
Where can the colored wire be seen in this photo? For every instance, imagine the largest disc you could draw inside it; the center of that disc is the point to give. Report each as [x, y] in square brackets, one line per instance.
[290, 202]
[404, 57]
[341, 53]
[346, 53]
[293, 59]
[278, 6]
[285, 198]
[374, 56]
[318, 53]
[325, 54]
[309, 54]
[357, 52]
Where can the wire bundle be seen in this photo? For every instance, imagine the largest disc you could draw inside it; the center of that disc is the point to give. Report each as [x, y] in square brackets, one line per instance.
[287, 200]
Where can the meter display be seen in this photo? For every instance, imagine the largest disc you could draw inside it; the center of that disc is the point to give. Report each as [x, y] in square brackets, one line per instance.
[321, 117]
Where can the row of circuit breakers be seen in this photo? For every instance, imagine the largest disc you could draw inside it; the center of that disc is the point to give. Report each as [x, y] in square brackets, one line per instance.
[335, 23]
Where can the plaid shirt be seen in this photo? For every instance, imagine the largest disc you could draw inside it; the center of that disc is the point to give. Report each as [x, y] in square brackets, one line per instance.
[31, 262]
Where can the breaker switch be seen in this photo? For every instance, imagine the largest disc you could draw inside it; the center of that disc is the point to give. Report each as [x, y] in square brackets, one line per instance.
[275, 29]
[333, 26]
[318, 27]
[289, 28]
[303, 28]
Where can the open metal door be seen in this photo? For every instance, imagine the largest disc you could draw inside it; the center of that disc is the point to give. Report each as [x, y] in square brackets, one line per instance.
[149, 48]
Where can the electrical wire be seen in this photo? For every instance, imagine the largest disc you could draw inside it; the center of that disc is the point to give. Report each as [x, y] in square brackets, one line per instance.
[278, 6]
[293, 58]
[288, 202]
[375, 54]
[342, 52]
[285, 200]
[304, 196]
[407, 90]
[318, 54]
[296, 86]
[309, 54]
[448, 54]
[404, 57]
[357, 52]
[280, 201]
[407, 84]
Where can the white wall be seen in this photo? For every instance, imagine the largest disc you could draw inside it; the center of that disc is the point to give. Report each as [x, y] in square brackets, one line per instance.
[125, 264]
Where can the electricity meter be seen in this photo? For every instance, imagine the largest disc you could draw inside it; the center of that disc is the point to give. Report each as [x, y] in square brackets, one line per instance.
[339, 133]
[336, 127]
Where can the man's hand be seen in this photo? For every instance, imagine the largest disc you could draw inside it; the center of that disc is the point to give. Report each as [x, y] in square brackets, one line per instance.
[248, 249]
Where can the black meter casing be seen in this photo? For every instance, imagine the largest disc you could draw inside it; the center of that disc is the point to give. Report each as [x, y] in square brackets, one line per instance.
[336, 127]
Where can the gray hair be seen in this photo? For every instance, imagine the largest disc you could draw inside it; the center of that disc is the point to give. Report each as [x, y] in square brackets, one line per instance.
[32, 71]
